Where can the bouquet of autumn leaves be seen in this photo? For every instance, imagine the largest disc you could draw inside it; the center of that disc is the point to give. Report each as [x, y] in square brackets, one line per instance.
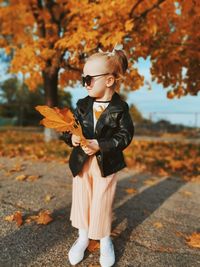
[61, 120]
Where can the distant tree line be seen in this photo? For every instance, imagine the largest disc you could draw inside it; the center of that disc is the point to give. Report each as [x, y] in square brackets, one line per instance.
[18, 102]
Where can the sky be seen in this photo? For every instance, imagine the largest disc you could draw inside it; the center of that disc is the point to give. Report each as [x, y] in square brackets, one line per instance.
[151, 103]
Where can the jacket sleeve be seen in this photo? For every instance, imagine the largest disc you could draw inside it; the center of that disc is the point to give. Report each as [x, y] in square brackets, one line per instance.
[123, 138]
[67, 136]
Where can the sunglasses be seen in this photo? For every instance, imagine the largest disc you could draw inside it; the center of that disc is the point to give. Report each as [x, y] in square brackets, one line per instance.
[88, 78]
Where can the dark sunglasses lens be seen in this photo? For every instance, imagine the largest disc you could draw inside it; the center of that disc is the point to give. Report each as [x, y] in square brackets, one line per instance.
[86, 80]
[83, 81]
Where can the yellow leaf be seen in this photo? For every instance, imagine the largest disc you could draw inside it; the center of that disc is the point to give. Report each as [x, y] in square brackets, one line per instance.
[17, 216]
[153, 29]
[151, 181]
[48, 198]
[21, 177]
[186, 193]
[131, 190]
[158, 224]
[9, 218]
[32, 177]
[129, 25]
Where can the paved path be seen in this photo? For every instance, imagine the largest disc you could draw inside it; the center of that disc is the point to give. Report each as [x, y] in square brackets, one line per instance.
[170, 202]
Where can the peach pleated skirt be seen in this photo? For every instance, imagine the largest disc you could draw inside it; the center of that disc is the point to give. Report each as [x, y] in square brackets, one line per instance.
[92, 200]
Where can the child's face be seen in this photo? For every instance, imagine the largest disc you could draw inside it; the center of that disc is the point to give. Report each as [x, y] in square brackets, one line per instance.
[99, 85]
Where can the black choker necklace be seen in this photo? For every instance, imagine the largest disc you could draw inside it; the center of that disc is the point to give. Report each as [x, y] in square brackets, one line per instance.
[102, 101]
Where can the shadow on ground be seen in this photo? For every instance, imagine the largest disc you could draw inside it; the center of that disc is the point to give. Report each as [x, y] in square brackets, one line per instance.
[51, 242]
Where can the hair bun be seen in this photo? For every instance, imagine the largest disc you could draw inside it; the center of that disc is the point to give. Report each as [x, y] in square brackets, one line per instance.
[123, 59]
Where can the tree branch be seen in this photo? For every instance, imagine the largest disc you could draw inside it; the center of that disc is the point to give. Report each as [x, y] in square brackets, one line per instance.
[35, 9]
[66, 65]
[134, 7]
[145, 13]
[142, 15]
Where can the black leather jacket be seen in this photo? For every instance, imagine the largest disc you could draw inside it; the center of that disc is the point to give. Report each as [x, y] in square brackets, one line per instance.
[114, 131]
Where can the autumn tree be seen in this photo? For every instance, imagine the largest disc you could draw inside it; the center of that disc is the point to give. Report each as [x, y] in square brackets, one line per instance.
[49, 40]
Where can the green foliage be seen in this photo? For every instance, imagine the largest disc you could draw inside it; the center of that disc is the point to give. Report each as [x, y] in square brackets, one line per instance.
[136, 114]
[16, 101]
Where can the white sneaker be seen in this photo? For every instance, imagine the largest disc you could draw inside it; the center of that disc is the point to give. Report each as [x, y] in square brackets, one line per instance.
[76, 252]
[107, 254]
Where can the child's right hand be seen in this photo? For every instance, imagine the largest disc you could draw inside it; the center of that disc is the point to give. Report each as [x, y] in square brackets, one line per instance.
[76, 140]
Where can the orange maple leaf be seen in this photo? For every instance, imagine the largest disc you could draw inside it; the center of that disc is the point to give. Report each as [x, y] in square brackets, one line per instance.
[61, 120]
[193, 240]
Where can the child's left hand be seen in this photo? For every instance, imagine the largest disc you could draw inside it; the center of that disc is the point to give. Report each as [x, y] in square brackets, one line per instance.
[92, 147]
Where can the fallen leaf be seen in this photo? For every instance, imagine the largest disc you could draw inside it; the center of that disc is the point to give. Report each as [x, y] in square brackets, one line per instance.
[21, 177]
[44, 217]
[31, 218]
[158, 224]
[17, 216]
[48, 198]
[131, 190]
[93, 245]
[17, 167]
[9, 218]
[193, 240]
[151, 181]
[186, 193]
[33, 177]
[162, 172]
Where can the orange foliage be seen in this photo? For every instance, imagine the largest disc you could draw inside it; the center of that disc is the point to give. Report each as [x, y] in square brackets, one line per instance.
[165, 31]
[164, 158]
[158, 157]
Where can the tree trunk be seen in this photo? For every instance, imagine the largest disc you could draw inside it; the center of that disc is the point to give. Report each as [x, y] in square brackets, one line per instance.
[51, 99]
[50, 88]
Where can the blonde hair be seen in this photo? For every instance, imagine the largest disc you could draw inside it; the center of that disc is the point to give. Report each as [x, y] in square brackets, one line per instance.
[116, 64]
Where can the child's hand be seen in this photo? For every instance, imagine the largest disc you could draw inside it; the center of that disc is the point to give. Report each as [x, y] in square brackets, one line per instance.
[92, 147]
[75, 140]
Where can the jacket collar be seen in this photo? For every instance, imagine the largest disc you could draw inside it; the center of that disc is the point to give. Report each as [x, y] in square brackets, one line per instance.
[114, 105]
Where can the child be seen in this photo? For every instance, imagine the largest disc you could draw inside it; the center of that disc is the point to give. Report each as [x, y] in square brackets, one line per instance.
[107, 125]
